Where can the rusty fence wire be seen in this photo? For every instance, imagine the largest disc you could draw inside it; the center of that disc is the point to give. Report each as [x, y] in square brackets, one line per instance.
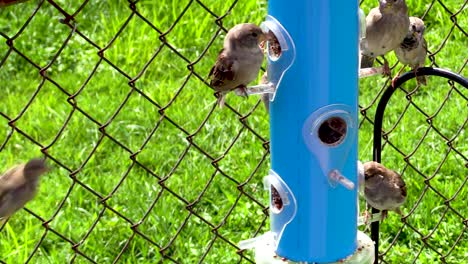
[147, 169]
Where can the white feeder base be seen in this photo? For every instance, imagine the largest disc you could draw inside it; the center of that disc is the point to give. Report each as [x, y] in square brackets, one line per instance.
[265, 254]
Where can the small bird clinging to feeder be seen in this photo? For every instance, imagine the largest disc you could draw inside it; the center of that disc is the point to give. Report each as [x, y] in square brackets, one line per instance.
[19, 185]
[386, 27]
[413, 50]
[384, 189]
[239, 61]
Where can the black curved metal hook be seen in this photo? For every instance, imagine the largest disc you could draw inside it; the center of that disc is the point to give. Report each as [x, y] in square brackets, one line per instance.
[381, 106]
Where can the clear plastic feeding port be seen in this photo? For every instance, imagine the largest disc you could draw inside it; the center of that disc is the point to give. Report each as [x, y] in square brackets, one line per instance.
[278, 192]
[281, 53]
[329, 135]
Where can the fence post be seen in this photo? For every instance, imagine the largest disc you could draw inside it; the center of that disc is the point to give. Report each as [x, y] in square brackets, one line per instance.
[314, 131]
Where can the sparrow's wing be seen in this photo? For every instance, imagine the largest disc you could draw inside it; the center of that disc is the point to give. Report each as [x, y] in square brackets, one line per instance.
[367, 61]
[11, 178]
[424, 44]
[371, 19]
[5, 196]
[223, 70]
[399, 183]
[9, 173]
[6, 184]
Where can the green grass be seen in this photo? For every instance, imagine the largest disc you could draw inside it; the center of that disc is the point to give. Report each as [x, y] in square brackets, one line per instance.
[134, 123]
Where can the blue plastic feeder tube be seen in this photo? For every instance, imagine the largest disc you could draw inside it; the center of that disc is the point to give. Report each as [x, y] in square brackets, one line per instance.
[322, 81]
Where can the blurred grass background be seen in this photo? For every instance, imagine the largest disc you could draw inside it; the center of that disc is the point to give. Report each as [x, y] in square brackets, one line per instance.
[137, 123]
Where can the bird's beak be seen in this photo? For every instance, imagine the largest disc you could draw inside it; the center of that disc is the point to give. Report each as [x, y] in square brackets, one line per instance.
[388, 5]
[262, 39]
[418, 36]
[366, 176]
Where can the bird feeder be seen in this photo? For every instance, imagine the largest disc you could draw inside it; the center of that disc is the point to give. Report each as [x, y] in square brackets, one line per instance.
[313, 67]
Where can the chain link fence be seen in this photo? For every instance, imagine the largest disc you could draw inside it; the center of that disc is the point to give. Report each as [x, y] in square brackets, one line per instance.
[148, 169]
[423, 135]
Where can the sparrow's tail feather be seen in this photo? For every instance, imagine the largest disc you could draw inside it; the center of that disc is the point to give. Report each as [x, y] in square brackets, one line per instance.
[421, 79]
[221, 100]
[398, 211]
[366, 61]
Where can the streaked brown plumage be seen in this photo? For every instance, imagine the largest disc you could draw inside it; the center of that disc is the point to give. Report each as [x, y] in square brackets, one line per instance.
[384, 189]
[239, 61]
[413, 50]
[386, 27]
[19, 185]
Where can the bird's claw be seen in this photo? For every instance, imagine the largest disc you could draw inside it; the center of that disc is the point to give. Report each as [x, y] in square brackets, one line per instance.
[256, 89]
[369, 218]
[383, 214]
[261, 89]
[241, 91]
[386, 70]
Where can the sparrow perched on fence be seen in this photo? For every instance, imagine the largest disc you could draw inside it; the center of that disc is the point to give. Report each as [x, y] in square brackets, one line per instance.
[386, 27]
[18, 186]
[384, 189]
[239, 61]
[413, 50]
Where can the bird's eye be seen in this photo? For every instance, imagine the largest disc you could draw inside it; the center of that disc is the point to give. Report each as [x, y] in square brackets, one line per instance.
[413, 27]
[254, 34]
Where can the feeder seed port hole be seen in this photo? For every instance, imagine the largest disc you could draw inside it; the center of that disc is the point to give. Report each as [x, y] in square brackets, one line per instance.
[276, 201]
[273, 46]
[332, 131]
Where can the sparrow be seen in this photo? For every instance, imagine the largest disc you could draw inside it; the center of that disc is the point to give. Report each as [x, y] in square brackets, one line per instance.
[239, 61]
[413, 50]
[386, 27]
[19, 185]
[384, 189]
